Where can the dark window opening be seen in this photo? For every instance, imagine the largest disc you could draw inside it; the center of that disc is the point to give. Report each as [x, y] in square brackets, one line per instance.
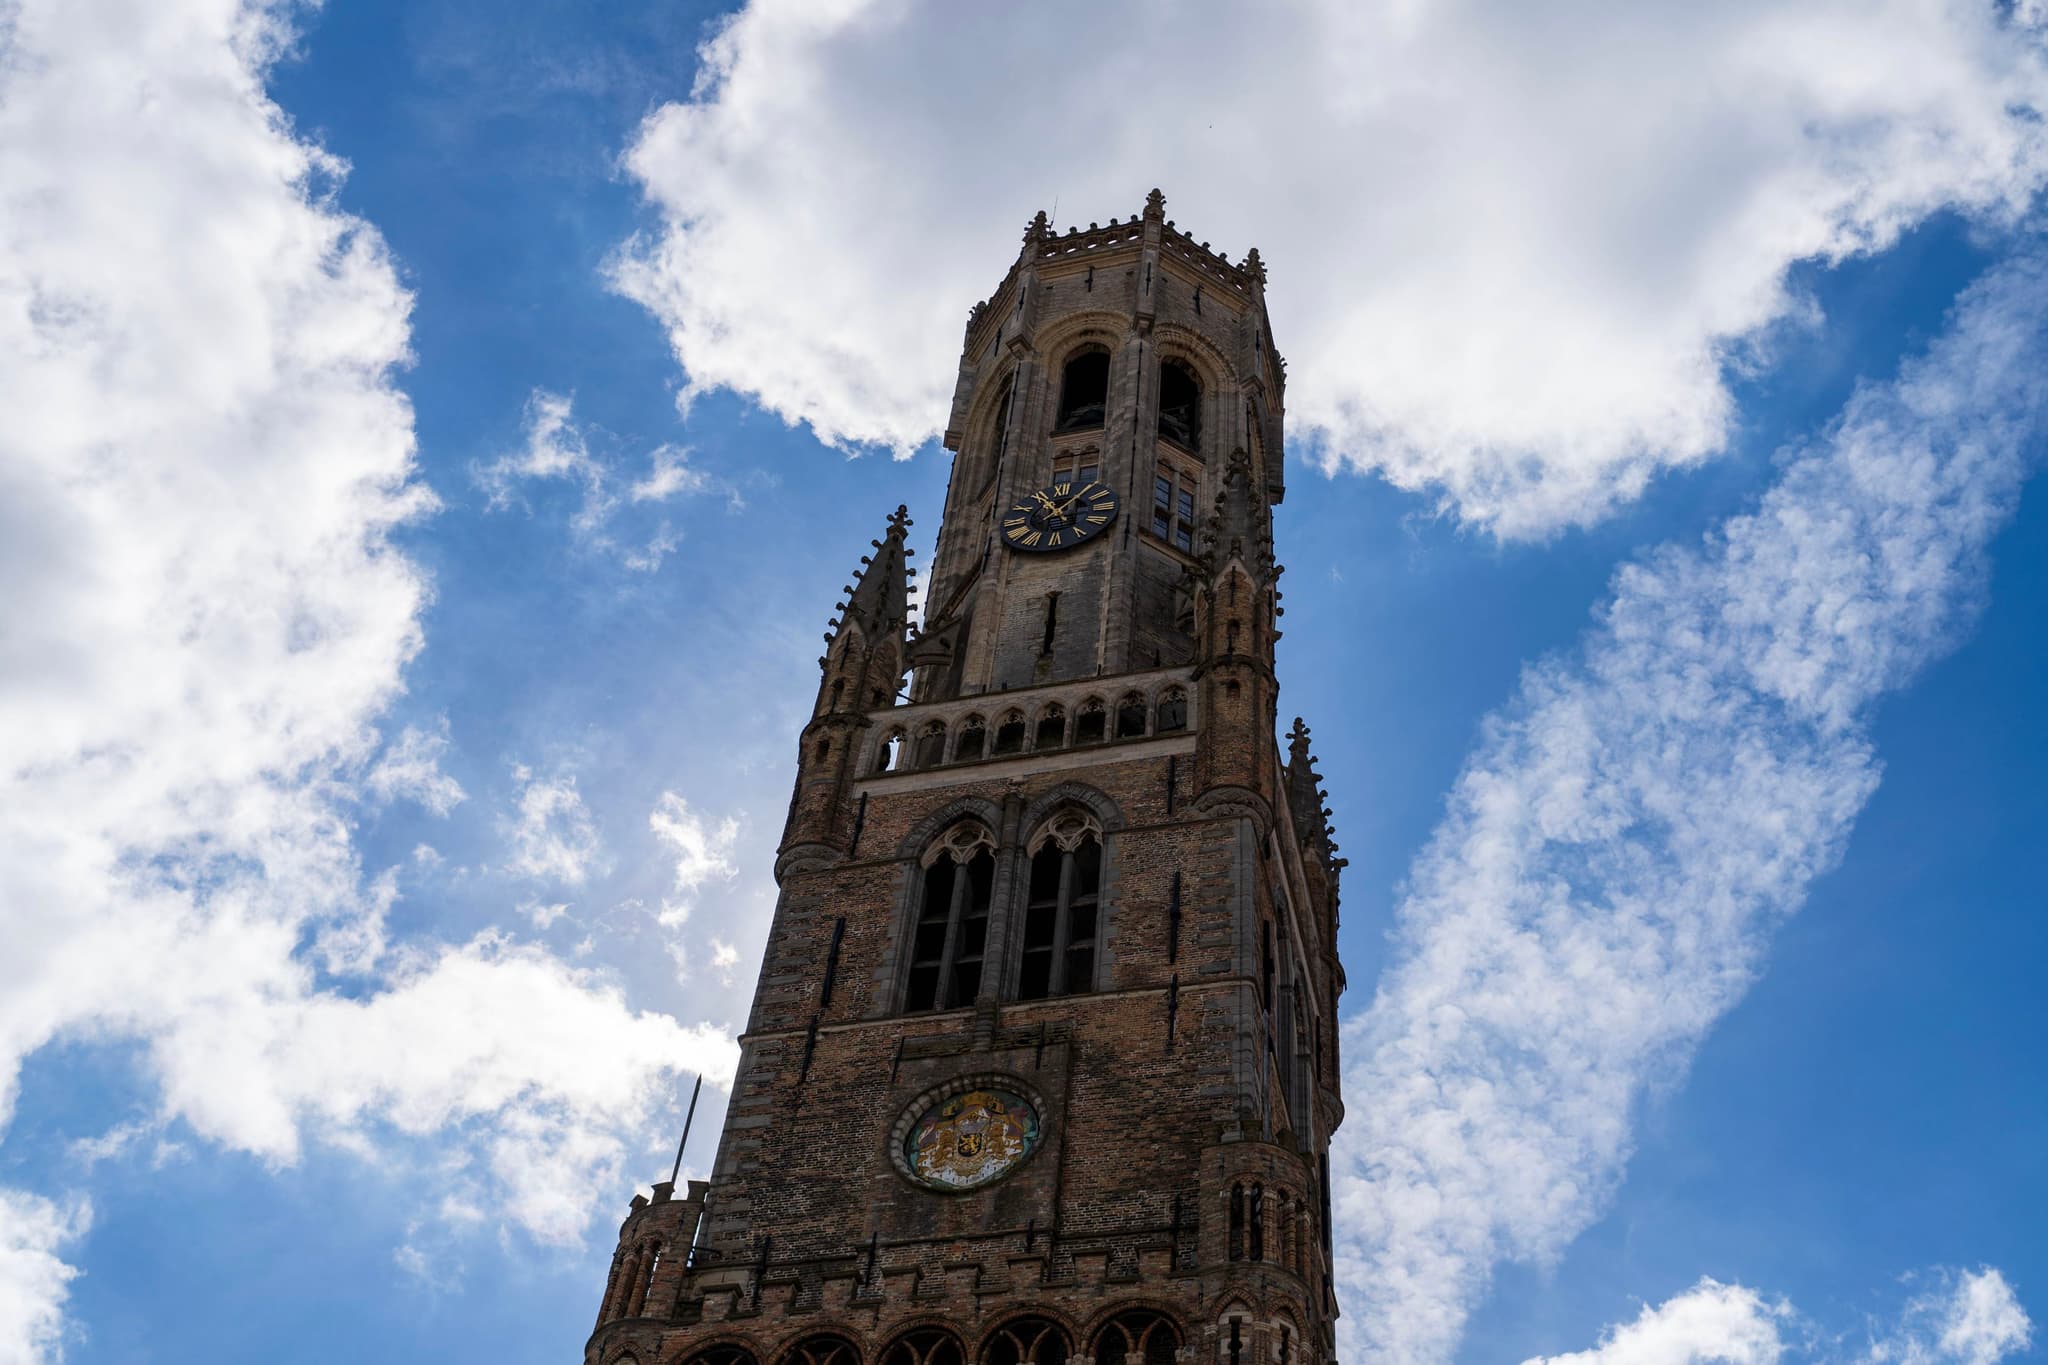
[1130, 717]
[838, 688]
[1084, 391]
[1092, 724]
[1255, 1223]
[931, 746]
[890, 754]
[1052, 621]
[1010, 735]
[824, 749]
[1059, 921]
[1180, 405]
[1052, 729]
[972, 737]
[1026, 1341]
[723, 1355]
[1237, 1222]
[952, 927]
[1173, 712]
[1266, 966]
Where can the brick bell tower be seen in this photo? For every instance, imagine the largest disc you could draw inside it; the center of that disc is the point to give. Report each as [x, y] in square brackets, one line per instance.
[1042, 1063]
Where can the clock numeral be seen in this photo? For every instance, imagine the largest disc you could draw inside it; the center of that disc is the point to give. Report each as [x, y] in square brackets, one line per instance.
[1054, 539]
[1016, 521]
[1060, 490]
[1033, 538]
[1099, 521]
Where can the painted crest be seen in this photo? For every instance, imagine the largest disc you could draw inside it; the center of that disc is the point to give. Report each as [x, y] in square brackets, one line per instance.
[970, 1139]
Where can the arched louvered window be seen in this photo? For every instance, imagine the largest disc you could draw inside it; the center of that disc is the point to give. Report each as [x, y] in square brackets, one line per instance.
[1058, 955]
[952, 920]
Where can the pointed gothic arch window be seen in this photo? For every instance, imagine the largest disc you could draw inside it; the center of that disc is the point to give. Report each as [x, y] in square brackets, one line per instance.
[1091, 722]
[1173, 711]
[1010, 734]
[823, 1349]
[1137, 1336]
[973, 739]
[1060, 912]
[1026, 1341]
[889, 755]
[1180, 405]
[931, 745]
[726, 1354]
[1130, 716]
[1052, 728]
[952, 920]
[924, 1346]
[1084, 390]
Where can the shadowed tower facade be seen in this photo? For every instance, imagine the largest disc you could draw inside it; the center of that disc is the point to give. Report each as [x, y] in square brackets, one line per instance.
[1042, 1062]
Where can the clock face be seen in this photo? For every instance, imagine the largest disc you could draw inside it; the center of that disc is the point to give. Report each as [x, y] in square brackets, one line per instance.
[1059, 517]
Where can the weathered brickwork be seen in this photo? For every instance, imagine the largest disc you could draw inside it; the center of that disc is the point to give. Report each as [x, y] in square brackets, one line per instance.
[1058, 926]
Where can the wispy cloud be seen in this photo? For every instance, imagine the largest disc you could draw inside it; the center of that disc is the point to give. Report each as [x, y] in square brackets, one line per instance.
[1616, 852]
[1512, 262]
[410, 768]
[551, 835]
[557, 448]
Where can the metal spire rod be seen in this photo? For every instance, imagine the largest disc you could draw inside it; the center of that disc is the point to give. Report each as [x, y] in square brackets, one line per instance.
[686, 1129]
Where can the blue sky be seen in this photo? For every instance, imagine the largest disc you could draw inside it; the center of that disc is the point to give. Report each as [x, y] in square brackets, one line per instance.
[402, 682]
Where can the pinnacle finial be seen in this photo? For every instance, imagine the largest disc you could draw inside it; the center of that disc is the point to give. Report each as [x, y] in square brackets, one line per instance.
[1038, 228]
[1155, 204]
[1255, 267]
[900, 522]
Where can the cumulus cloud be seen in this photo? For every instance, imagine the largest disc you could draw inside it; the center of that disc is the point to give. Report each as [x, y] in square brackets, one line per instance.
[558, 448]
[1512, 249]
[34, 1278]
[551, 835]
[1971, 1318]
[1631, 827]
[204, 459]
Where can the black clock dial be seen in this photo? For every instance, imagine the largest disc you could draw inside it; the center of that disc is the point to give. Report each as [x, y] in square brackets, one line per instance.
[1059, 517]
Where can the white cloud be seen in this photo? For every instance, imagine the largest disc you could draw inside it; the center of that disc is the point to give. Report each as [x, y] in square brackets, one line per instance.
[1511, 247]
[34, 1278]
[410, 767]
[558, 447]
[1617, 850]
[702, 850]
[204, 459]
[1709, 1322]
[552, 837]
[1969, 1319]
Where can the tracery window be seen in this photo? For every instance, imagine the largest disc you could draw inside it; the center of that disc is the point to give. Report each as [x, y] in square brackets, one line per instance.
[952, 920]
[1138, 1336]
[1130, 716]
[973, 736]
[1180, 405]
[931, 745]
[1052, 728]
[1173, 711]
[1010, 734]
[1026, 1341]
[1091, 722]
[924, 1346]
[1058, 955]
[722, 1355]
[1084, 390]
[823, 1349]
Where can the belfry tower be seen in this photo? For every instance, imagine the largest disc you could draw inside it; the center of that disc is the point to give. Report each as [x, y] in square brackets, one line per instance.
[1042, 1063]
